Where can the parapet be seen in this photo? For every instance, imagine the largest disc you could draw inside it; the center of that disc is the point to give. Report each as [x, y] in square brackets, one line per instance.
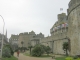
[61, 16]
[25, 33]
[21, 34]
[32, 32]
[14, 36]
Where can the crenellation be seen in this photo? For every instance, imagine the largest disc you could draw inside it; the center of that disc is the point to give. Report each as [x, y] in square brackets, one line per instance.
[21, 34]
[61, 17]
[25, 33]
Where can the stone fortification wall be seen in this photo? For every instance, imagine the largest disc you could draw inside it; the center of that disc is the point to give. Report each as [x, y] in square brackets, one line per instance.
[25, 38]
[74, 26]
[73, 4]
[61, 25]
[58, 35]
[14, 39]
[28, 37]
[58, 46]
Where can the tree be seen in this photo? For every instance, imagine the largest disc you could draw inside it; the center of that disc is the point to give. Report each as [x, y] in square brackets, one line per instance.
[7, 51]
[30, 48]
[22, 43]
[66, 47]
[47, 50]
[37, 51]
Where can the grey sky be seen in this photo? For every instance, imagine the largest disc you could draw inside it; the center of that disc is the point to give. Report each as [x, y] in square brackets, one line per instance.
[27, 15]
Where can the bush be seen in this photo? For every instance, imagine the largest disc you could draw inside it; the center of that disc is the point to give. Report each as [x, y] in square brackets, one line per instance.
[6, 52]
[48, 50]
[69, 58]
[37, 51]
[11, 50]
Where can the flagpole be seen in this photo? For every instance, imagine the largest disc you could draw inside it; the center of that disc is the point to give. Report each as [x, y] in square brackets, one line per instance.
[61, 9]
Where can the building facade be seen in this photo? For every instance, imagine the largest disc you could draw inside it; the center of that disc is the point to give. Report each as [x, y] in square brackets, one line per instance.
[58, 35]
[14, 41]
[74, 26]
[66, 29]
[27, 38]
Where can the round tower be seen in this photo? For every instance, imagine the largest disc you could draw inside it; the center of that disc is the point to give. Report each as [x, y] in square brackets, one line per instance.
[74, 26]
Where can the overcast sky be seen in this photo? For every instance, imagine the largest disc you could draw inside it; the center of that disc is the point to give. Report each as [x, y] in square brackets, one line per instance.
[27, 15]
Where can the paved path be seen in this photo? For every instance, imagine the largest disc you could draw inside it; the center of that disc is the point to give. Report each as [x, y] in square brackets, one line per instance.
[23, 57]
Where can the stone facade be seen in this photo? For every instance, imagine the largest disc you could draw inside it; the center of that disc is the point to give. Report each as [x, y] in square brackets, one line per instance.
[69, 34]
[36, 39]
[14, 41]
[58, 35]
[74, 26]
[27, 38]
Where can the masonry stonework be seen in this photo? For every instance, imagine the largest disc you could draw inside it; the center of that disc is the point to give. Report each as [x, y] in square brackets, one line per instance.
[66, 29]
[74, 26]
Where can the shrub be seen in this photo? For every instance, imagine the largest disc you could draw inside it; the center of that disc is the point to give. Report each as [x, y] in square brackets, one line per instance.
[48, 50]
[6, 52]
[11, 50]
[37, 51]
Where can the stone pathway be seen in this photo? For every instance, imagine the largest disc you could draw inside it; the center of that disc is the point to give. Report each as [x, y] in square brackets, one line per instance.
[23, 57]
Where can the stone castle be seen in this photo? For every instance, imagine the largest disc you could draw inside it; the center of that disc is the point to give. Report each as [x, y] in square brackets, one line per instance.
[26, 38]
[66, 29]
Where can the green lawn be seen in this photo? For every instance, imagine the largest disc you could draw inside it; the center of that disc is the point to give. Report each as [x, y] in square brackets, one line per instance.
[60, 58]
[66, 58]
[12, 58]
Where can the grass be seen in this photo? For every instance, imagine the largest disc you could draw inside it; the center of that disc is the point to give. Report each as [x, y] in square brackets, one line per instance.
[66, 58]
[12, 58]
[60, 58]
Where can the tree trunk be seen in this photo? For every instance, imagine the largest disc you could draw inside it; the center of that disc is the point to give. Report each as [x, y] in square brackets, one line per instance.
[30, 51]
[66, 52]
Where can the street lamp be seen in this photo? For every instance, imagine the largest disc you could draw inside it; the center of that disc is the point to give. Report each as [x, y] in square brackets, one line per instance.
[2, 35]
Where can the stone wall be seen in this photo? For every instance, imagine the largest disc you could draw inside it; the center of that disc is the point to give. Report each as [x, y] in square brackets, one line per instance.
[58, 36]
[25, 38]
[74, 27]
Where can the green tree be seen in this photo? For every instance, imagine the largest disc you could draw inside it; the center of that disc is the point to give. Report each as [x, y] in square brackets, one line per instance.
[12, 52]
[7, 51]
[37, 51]
[30, 48]
[66, 47]
[47, 50]
[22, 43]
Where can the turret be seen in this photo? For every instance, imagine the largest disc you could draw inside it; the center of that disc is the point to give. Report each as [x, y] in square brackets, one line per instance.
[72, 5]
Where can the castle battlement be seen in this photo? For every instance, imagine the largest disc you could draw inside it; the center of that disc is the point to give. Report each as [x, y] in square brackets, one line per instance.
[61, 16]
[73, 4]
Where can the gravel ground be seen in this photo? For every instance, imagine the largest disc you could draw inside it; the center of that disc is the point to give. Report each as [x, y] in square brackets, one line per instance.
[23, 57]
